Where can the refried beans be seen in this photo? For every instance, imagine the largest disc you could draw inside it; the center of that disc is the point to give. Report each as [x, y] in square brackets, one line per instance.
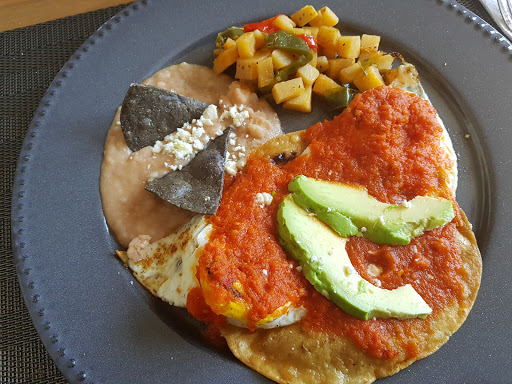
[129, 209]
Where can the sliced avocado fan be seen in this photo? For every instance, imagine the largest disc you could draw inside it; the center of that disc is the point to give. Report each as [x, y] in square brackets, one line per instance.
[325, 263]
[351, 211]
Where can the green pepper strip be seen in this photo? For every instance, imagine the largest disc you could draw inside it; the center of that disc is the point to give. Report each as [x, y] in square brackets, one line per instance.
[231, 32]
[339, 98]
[288, 42]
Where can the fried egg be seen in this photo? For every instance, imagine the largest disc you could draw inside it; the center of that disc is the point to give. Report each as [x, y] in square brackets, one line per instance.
[167, 268]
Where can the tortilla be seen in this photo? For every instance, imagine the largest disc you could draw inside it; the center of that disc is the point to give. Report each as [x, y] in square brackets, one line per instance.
[293, 354]
[149, 114]
[197, 187]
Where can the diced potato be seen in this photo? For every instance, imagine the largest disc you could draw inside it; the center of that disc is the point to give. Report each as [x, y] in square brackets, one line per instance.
[227, 58]
[298, 31]
[328, 37]
[364, 55]
[336, 65]
[313, 31]
[348, 74]
[383, 61]
[315, 57]
[301, 103]
[329, 53]
[391, 75]
[287, 90]
[370, 43]
[246, 45]
[246, 69]
[282, 58]
[324, 84]
[368, 79]
[322, 63]
[229, 43]
[325, 17]
[304, 15]
[265, 72]
[217, 51]
[349, 46]
[283, 22]
[259, 38]
[308, 73]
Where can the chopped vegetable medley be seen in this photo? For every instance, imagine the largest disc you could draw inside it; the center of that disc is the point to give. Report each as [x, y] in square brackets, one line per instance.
[304, 54]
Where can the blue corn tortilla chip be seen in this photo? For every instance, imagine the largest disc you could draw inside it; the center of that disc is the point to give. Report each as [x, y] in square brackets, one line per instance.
[149, 114]
[197, 187]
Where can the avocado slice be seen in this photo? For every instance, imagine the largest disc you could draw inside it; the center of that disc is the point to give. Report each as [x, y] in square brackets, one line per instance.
[352, 211]
[325, 263]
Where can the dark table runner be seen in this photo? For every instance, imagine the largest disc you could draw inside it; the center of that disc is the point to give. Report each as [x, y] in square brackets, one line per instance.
[30, 58]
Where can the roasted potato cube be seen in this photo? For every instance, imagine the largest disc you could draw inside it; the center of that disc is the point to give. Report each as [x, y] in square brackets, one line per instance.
[383, 61]
[301, 103]
[348, 74]
[299, 31]
[283, 22]
[370, 78]
[313, 31]
[217, 51]
[322, 63]
[349, 46]
[229, 43]
[246, 69]
[336, 65]
[325, 17]
[328, 37]
[370, 43]
[329, 53]
[265, 72]
[282, 58]
[287, 90]
[315, 57]
[304, 15]
[308, 73]
[391, 75]
[259, 38]
[226, 58]
[323, 84]
[246, 45]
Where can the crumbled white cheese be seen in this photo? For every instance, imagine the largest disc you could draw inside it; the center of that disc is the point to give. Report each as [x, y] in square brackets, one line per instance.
[265, 272]
[231, 168]
[299, 268]
[264, 198]
[237, 113]
[406, 204]
[189, 139]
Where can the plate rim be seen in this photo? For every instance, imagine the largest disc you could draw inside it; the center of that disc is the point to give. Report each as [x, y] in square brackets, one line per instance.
[72, 371]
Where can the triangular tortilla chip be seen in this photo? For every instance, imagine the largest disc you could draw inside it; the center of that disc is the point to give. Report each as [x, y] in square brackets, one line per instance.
[149, 114]
[197, 187]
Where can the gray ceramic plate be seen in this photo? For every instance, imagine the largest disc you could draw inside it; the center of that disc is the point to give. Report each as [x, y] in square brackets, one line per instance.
[101, 327]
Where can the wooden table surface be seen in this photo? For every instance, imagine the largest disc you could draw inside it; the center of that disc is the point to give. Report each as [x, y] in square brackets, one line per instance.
[21, 13]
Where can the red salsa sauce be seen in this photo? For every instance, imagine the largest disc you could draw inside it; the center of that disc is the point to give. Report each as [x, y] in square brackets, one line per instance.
[387, 141]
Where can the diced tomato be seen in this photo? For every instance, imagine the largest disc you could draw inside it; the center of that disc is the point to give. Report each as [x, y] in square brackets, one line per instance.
[265, 26]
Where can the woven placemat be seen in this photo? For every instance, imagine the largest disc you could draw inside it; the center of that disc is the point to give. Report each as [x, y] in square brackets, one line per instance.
[30, 58]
